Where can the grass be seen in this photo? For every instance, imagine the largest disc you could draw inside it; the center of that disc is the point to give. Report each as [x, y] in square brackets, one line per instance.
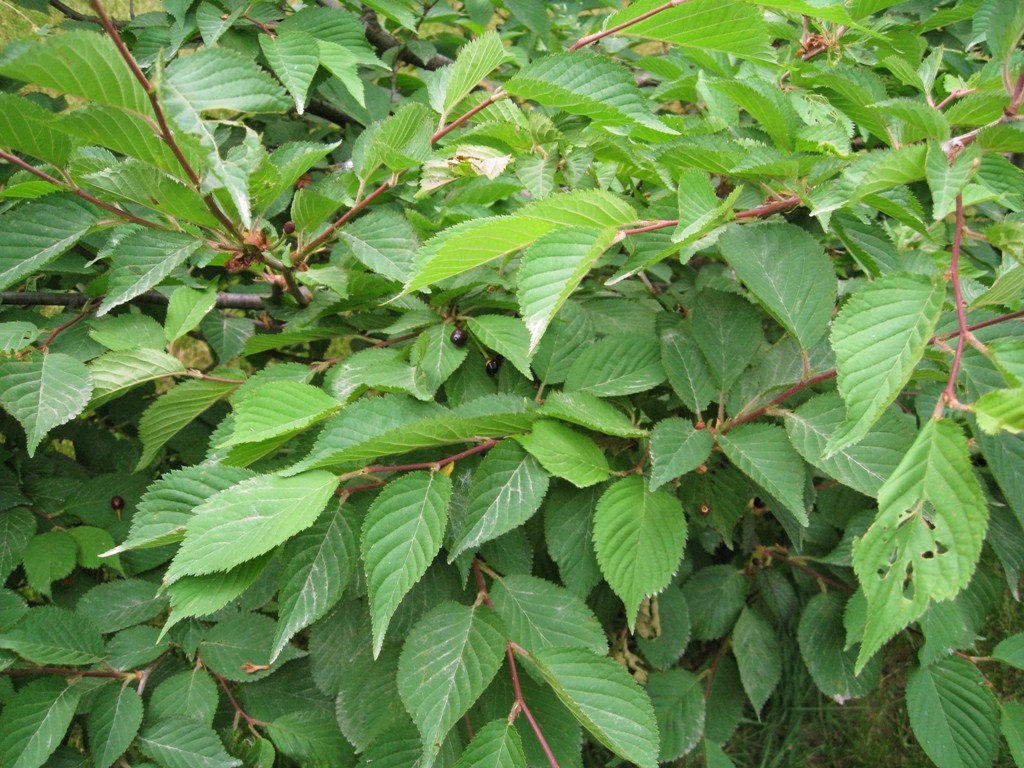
[18, 22]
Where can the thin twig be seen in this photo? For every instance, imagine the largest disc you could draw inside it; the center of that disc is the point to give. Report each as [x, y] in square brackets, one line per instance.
[590, 39]
[45, 346]
[74, 15]
[949, 393]
[249, 720]
[800, 385]
[374, 469]
[778, 553]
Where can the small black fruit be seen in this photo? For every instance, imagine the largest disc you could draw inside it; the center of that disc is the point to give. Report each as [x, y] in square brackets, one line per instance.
[116, 503]
[289, 227]
[492, 366]
[459, 337]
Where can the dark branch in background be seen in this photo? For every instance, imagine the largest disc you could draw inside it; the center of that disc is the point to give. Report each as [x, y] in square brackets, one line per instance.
[251, 301]
[383, 41]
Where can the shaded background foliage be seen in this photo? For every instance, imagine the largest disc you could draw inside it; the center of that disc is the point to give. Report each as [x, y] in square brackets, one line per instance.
[512, 384]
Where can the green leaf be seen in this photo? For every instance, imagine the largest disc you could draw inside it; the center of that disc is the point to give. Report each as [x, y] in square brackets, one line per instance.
[402, 533]
[174, 410]
[294, 58]
[789, 273]
[584, 83]
[128, 332]
[639, 536]
[716, 595]
[591, 412]
[605, 700]
[764, 454]
[768, 106]
[248, 519]
[677, 448]
[505, 335]
[1005, 27]
[278, 408]
[115, 605]
[539, 614]
[878, 337]
[435, 358]
[114, 373]
[37, 232]
[475, 61]
[113, 722]
[223, 79]
[27, 127]
[617, 365]
[566, 453]
[508, 488]
[318, 565]
[17, 527]
[34, 721]
[496, 745]
[953, 714]
[729, 26]
[551, 269]
[927, 537]
[474, 243]
[142, 260]
[700, 210]
[947, 179]
[1001, 410]
[1011, 651]
[678, 700]
[187, 307]
[400, 142]
[84, 64]
[51, 635]
[384, 241]
[344, 65]
[568, 532]
[822, 639]
[687, 370]
[727, 330]
[863, 466]
[44, 393]
[203, 595]
[181, 742]
[310, 737]
[48, 557]
[758, 655]
[16, 336]
[449, 658]
[192, 694]
[1012, 727]
[238, 648]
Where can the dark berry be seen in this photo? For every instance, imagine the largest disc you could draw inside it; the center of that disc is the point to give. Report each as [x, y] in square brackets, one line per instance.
[459, 337]
[493, 364]
[116, 503]
[289, 227]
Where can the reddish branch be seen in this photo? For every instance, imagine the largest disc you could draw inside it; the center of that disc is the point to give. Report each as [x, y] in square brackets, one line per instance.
[779, 553]
[519, 705]
[45, 346]
[590, 39]
[432, 465]
[252, 722]
[800, 385]
[762, 210]
[949, 394]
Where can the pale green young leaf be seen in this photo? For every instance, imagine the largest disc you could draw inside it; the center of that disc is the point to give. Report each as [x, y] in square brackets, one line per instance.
[434, 359]
[476, 60]
[449, 658]
[182, 742]
[863, 466]
[113, 722]
[277, 408]
[318, 565]
[471, 244]
[285, 166]
[768, 105]
[143, 259]
[604, 698]
[505, 335]
[728, 26]
[1001, 410]
[401, 142]
[927, 537]
[677, 448]
[727, 330]
[764, 454]
[551, 269]
[878, 337]
[402, 533]
[333, 25]
[617, 365]
[496, 745]
[223, 79]
[116, 373]
[187, 307]
[344, 65]
[758, 655]
[639, 536]
[698, 206]
[37, 232]
[1005, 27]
[34, 721]
[249, 519]
[539, 614]
[44, 393]
[508, 488]
[164, 510]
[584, 83]
[293, 57]
[954, 714]
[79, 63]
[47, 634]
[175, 409]
[585, 410]
[687, 370]
[27, 127]
[566, 453]
[678, 700]
[789, 273]
[946, 178]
